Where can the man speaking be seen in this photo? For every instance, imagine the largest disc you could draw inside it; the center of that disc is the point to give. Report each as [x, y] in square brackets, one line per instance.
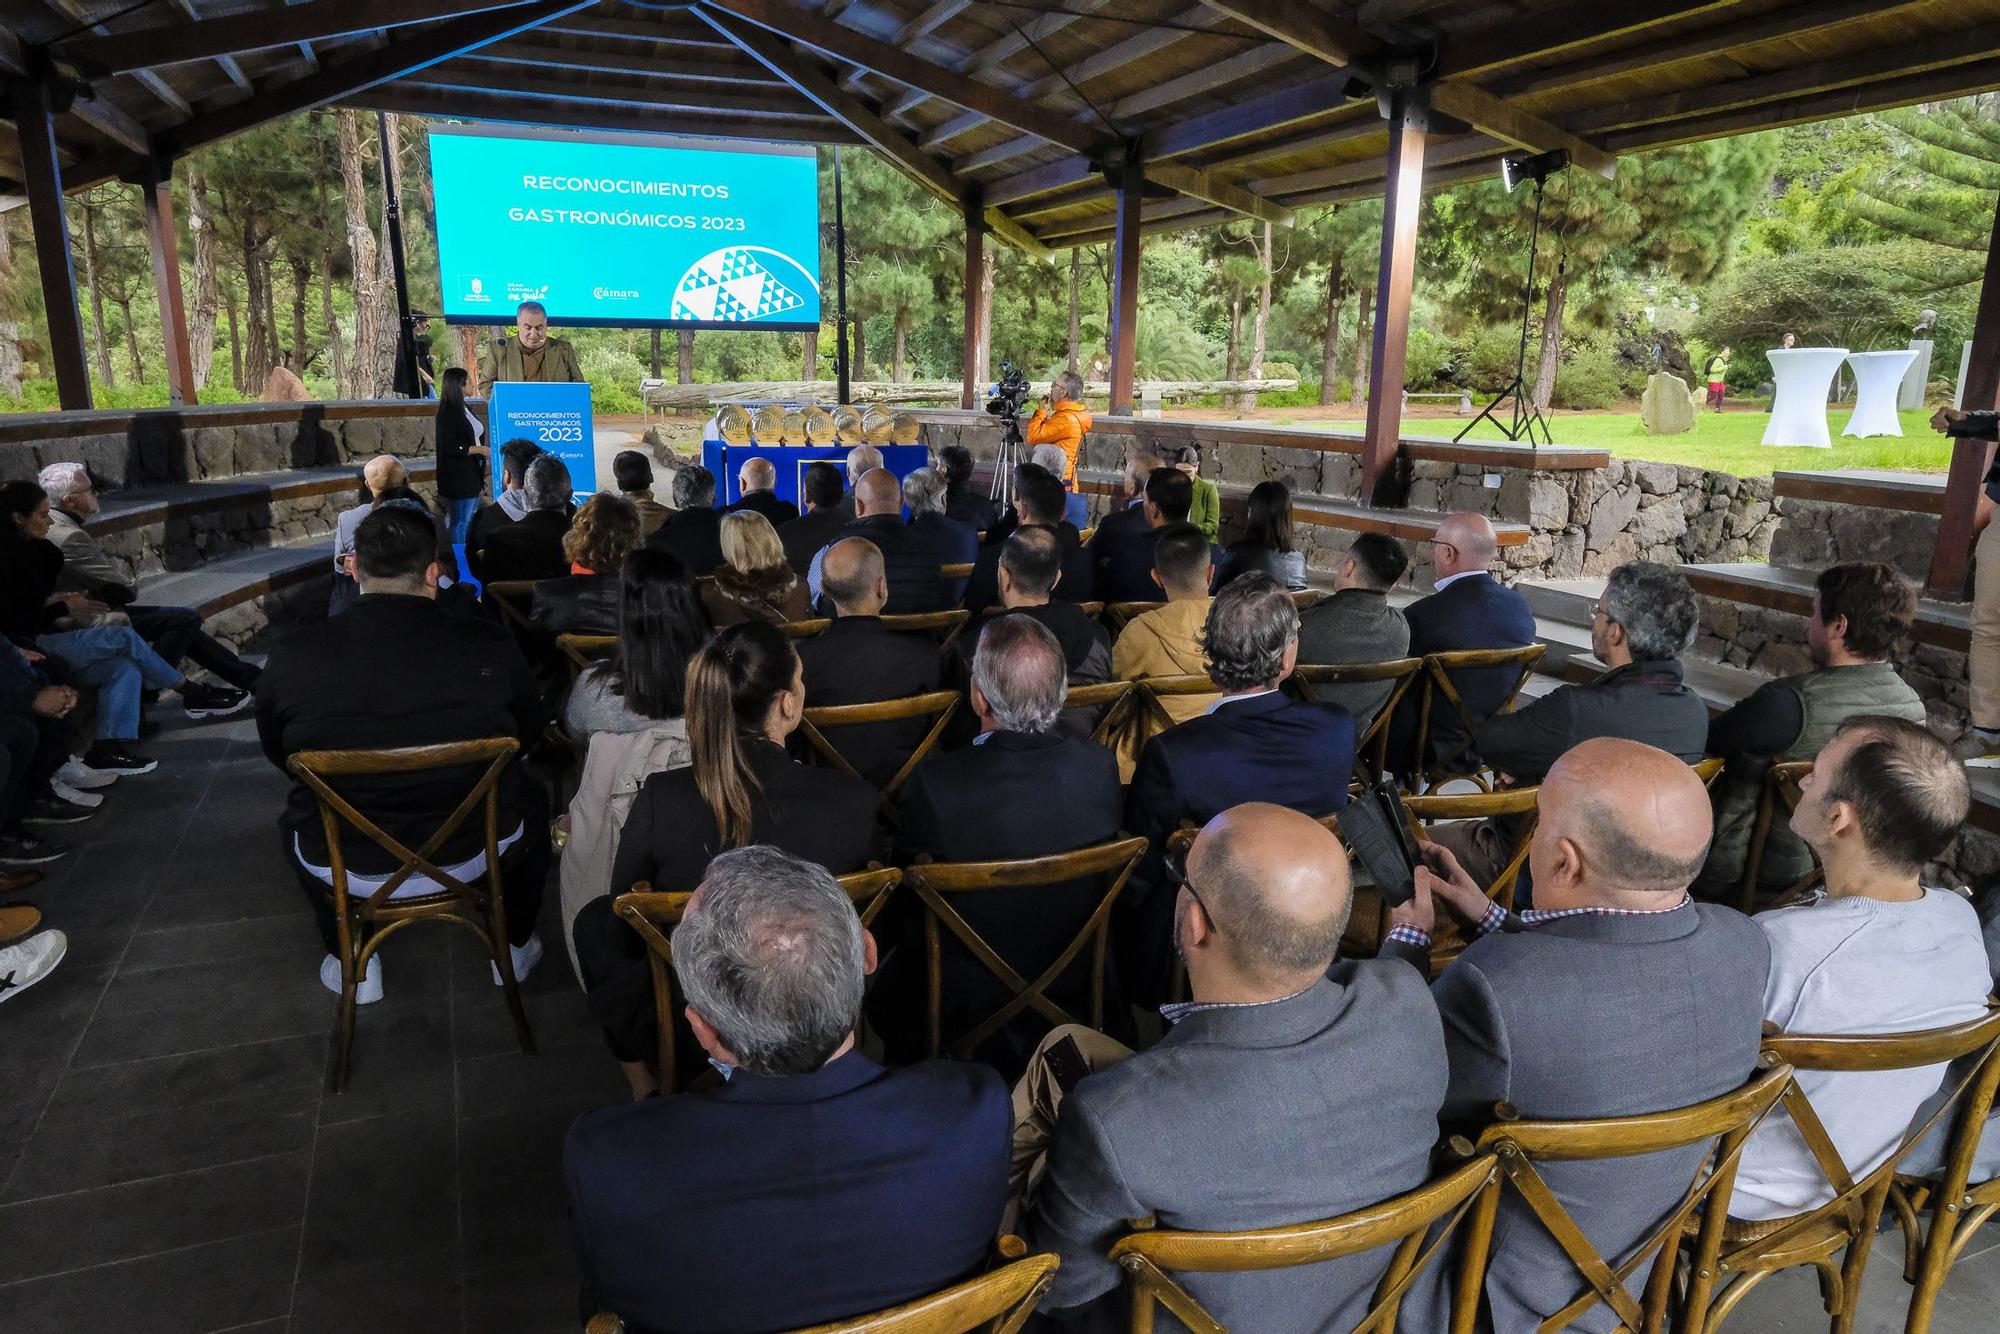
[530, 354]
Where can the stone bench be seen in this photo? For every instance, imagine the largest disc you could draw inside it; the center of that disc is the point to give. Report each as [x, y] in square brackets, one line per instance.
[241, 593]
[1462, 397]
[1858, 514]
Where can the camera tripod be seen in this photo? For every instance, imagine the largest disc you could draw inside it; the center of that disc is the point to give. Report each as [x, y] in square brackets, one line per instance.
[1012, 454]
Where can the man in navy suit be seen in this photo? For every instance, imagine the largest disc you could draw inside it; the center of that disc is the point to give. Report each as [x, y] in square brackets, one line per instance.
[1254, 744]
[1124, 543]
[675, 1202]
[1470, 610]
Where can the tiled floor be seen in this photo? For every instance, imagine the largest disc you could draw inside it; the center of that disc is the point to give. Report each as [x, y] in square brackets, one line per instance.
[170, 1162]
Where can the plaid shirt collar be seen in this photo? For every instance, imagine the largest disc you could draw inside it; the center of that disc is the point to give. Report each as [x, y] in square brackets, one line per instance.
[1496, 918]
[1175, 1011]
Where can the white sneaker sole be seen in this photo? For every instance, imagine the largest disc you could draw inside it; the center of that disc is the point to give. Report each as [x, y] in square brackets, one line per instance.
[525, 960]
[76, 796]
[238, 707]
[366, 992]
[128, 771]
[47, 964]
[81, 776]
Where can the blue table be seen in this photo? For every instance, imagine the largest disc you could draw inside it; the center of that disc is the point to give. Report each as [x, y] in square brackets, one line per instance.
[726, 461]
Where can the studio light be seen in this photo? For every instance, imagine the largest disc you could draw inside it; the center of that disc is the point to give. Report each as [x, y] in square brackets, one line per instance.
[1514, 170]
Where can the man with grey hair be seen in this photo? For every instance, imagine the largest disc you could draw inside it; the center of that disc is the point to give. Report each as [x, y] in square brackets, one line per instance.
[1254, 744]
[954, 541]
[674, 1200]
[757, 489]
[532, 548]
[532, 354]
[861, 460]
[859, 660]
[694, 531]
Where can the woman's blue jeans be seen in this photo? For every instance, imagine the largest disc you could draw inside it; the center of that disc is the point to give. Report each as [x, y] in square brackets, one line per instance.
[120, 665]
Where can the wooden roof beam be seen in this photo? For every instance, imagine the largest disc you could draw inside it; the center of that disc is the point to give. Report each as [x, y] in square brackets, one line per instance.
[1000, 49]
[1565, 27]
[667, 97]
[112, 123]
[706, 69]
[1205, 185]
[933, 18]
[417, 100]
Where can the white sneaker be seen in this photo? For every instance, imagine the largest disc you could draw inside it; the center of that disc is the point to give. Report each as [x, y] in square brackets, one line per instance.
[76, 796]
[80, 775]
[370, 989]
[28, 962]
[525, 958]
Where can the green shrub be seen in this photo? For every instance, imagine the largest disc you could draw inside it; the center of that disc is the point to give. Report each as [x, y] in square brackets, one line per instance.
[1429, 361]
[1591, 378]
[1490, 357]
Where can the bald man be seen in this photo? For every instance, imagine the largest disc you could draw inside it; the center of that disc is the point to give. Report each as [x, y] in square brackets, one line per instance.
[1616, 995]
[858, 660]
[909, 561]
[1470, 610]
[756, 485]
[1292, 1087]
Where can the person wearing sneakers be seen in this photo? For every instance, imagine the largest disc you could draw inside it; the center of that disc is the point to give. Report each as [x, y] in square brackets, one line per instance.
[397, 670]
[34, 742]
[26, 955]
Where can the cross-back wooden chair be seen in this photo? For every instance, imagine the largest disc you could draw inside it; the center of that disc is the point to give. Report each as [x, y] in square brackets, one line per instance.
[514, 599]
[945, 625]
[1118, 615]
[1420, 1224]
[1940, 1214]
[937, 883]
[1117, 700]
[1307, 597]
[1781, 788]
[997, 1302]
[1312, 682]
[1847, 1222]
[1154, 690]
[1708, 770]
[1521, 802]
[955, 570]
[580, 651]
[363, 924]
[938, 705]
[655, 914]
[1726, 1122]
[1438, 696]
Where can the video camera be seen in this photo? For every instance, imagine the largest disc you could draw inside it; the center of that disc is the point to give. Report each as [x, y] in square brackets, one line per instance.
[1009, 396]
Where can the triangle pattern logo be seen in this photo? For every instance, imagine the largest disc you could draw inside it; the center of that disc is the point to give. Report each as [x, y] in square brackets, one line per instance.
[731, 286]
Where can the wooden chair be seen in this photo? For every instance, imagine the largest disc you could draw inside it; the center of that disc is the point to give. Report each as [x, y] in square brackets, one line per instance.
[938, 704]
[1847, 1222]
[946, 625]
[955, 570]
[364, 924]
[1118, 615]
[655, 914]
[580, 651]
[1521, 802]
[1437, 684]
[1308, 681]
[1781, 787]
[1708, 770]
[1307, 597]
[1153, 690]
[997, 1302]
[1419, 1223]
[1726, 1121]
[936, 883]
[1118, 701]
[1082, 538]
[514, 599]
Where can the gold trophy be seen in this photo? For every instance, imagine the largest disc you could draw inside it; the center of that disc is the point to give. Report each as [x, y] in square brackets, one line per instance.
[732, 423]
[768, 425]
[847, 428]
[820, 426]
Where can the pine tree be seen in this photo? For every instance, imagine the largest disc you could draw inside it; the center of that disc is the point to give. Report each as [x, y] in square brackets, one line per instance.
[1935, 184]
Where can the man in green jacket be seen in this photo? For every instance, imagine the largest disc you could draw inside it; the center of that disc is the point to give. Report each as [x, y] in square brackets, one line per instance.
[531, 354]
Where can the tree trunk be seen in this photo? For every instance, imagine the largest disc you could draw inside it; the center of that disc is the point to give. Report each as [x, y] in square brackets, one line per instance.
[388, 317]
[656, 354]
[256, 307]
[98, 344]
[684, 364]
[1329, 346]
[274, 351]
[10, 324]
[131, 340]
[1551, 353]
[984, 345]
[1075, 349]
[1364, 331]
[334, 353]
[361, 247]
[896, 367]
[859, 370]
[810, 339]
[301, 286]
[235, 340]
[1248, 403]
[1232, 365]
[201, 316]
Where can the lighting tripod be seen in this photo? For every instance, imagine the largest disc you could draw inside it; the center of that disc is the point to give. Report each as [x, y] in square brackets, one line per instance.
[1526, 416]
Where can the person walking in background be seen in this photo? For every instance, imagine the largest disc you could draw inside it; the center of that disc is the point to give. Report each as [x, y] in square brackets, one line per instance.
[1715, 371]
[461, 455]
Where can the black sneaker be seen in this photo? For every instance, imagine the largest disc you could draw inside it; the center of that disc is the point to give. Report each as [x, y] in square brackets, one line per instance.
[207, 701]
[25, 849]
[108, 757]
[54, 810]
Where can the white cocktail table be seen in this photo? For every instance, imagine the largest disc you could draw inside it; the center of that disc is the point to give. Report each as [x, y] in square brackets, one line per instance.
[1798, 408]
[1877, 377]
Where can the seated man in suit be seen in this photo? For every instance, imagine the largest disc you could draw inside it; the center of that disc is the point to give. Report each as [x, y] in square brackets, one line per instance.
[675, 1201]
[532, 547]
[969, 506]
[633, 474]
[1167, 641]
[1127, 517]
[954, 542]
[1294, 1086]
[1124, 553]
[511, 507]
[1357, 624]
[694, 533]
[1470, 610]
[858, 660]
[757, 487]
[1038, 503]
[908, 559]
[1253, 744]
[453, 678]
[1030, 572]
[1618, 996]
[861, 460]
[804, 536]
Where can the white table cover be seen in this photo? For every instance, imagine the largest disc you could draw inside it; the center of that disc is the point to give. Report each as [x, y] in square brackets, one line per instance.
[1877, 378]
[1798, 408]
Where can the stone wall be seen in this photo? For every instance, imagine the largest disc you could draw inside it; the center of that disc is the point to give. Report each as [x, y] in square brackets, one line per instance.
[1817, 533]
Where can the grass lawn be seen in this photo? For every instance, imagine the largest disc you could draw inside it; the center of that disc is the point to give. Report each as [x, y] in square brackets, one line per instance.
[1724, 441]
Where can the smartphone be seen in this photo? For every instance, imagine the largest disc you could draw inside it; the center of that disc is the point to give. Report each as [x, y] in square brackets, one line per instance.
[1398, 817]
[1066, 1064]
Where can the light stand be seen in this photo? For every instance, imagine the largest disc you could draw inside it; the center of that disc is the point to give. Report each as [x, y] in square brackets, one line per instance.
[1526, 415]
[841, 371]
[392, 213]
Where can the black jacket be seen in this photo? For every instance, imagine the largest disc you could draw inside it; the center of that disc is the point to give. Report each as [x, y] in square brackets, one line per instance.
[1642, 701]
[805, 535]
[695, 535]
[1085, 645]
[857, 660]
[823, 815]
[972, 507]
[460, 475]
[768, 504]
[1078, 582]
[1123, 548]
[578, 604]
[28, 571]
[908, 558]
[529, 549]
[396, 671]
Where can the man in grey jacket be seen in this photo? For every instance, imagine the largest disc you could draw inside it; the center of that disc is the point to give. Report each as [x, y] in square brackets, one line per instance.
[1357, 624]
[1286, 1091]
[1619, 995]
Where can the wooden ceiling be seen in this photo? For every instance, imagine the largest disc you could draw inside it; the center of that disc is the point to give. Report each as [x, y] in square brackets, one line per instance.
[1237, 107]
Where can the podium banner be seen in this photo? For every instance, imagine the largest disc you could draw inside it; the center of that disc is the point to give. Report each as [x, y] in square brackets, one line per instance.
[554, 416]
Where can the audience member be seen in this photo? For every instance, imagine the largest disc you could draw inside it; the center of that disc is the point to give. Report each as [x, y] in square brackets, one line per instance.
[1357, 624]
[532, 547]
[1167, 640]
[977, 512]
[675, 1202]
[633, 474]
[1076, 510]
[1861, 611]
[1266, 543]
[908, 559]
[1062, 422]
[461, 455]
[757, 487]
[954, 543]
[585, 601]
[1205, 509]
[1618, 996]
[1470, 610]
[35, 742]
[1127, 519]
[378, 476]
[510, 508]
[397, 671]
[859, 660]
[1037, 503]
[1030, 572]
[861, 460]
[1125, 554]
[753, 583]
[1294, 1086]
[1253, 744]
[1875, 953]
[174, 632]
[805, 536]
[694, 532]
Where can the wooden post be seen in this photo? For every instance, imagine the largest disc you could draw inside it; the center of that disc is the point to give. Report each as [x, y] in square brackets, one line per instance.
[1408, 122]
[34, 121]
[975, 298]
[1952, 558]
[163, 243]
[1125, 287]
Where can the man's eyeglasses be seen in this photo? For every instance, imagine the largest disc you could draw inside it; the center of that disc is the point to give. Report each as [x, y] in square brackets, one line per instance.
[1176, 862]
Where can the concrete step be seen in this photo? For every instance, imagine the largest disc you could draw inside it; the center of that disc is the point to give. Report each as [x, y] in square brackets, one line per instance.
[242, 576]
[1869, 488]
[1564, 601]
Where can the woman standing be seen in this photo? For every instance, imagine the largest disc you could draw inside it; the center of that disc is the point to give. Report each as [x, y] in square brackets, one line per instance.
[461, 454]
